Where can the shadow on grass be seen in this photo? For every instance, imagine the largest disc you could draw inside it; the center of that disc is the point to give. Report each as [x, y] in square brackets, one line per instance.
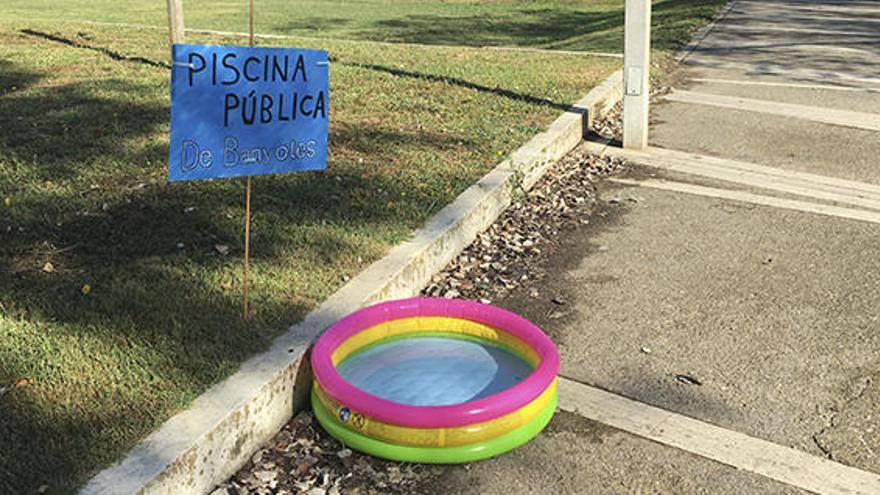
[302, 25]
[13, 78]
[523, 26]
[85, 173]
[559, 27]
[455, 81]
[62, 135]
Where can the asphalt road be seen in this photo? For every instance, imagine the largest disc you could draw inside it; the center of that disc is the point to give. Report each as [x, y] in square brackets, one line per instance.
[577, 456]
[817, 54]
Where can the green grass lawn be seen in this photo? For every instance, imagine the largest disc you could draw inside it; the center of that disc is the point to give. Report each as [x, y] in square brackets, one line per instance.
[116, 306]
[592, 25]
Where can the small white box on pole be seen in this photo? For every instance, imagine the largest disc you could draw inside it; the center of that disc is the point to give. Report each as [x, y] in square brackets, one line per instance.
[637, 70]
[633, 81]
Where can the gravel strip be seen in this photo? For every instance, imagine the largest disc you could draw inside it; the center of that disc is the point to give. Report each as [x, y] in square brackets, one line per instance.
[611, 125]
[505, 256]
[303, 459]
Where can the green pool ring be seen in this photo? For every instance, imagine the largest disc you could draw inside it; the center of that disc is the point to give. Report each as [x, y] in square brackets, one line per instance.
[434, 455]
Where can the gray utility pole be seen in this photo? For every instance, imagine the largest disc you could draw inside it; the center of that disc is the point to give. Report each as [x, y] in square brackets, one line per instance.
[175, 21]
[636, 72]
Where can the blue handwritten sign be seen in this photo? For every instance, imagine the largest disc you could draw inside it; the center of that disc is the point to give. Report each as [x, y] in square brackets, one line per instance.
[239, 111]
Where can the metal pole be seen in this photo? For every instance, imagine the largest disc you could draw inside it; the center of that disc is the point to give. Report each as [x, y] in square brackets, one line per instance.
[636, 72]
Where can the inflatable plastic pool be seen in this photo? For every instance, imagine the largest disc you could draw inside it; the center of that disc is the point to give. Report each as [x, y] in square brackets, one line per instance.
[434, 380]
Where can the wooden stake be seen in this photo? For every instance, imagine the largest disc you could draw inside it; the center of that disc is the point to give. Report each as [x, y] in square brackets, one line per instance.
[175, 22]
[247, 242]
[251, 25]
[247, 194]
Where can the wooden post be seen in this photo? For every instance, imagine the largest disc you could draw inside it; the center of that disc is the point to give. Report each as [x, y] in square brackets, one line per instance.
[247, 243]
[251, 24]
[636, 73]
[247, 194]
[175, 22]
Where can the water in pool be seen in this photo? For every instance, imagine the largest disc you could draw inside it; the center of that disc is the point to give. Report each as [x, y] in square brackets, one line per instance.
[433, 371]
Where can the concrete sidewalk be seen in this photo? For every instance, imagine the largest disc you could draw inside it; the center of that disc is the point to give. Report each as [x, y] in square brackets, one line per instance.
[733, 277]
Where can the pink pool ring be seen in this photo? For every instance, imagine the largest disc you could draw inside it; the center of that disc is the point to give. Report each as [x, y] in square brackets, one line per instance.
[434, 380]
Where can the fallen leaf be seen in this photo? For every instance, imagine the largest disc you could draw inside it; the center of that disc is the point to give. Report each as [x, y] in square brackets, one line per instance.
[23, 382]
[394, 474]
[688, 380]
[17, 383]
[48, 267]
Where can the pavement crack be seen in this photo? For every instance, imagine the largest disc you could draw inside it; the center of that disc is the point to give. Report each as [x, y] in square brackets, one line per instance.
[822, 447]
[833, 420]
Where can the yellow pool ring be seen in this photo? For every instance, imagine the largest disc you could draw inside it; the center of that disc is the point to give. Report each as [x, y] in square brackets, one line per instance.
[436, 437]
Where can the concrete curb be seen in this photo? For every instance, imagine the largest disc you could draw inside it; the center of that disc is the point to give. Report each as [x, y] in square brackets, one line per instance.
[204, 445]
